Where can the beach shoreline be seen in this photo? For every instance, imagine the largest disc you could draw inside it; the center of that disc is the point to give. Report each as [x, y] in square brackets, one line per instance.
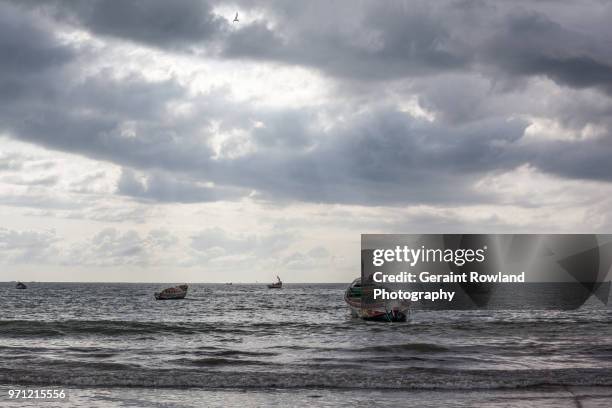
[546, 396]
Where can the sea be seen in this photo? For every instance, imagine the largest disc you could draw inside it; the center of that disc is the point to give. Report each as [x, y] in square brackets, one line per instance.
[113, 344]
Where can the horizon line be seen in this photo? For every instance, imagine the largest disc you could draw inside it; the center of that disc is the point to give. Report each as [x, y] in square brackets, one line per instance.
[186, 282]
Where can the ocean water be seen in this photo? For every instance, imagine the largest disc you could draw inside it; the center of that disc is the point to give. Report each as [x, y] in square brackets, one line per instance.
[246, 345]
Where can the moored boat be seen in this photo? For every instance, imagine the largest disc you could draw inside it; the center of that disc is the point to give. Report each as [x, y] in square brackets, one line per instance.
[352, 296]
[177, 292]
[381, 312]
[276, 285]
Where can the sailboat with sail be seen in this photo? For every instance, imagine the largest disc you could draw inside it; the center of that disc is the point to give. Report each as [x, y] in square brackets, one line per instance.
[276, 285]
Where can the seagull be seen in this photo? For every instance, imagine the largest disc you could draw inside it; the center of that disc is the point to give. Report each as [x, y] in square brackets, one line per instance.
[236, 18]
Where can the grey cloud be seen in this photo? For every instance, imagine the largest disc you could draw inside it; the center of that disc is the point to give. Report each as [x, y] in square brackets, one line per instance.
[48, 180]
[314, 258]
[587, 159]
[218, 238]
[110, 244]
[165, 188]
[112, 247]
[108, 247]
[113, 124]
[25, 47]
[383, 157]
[162, 238]
[445, 221]
[318, 252]
[215, 242]
[84, 184]
[291, 129]
[37, 198]
[582, 109]
[132, 96]
[377, 156]
[31, 57]
[11, 161]
[182, 25]
[382, 42]
[374, 42]
[256, 41]
[368, 41]
[530, 43]
[106, 213]
[27, 246]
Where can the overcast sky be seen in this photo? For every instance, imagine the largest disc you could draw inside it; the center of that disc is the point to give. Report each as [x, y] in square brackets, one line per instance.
[160, 141]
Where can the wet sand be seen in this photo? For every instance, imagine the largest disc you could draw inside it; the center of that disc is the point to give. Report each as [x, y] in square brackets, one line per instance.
[541, 397]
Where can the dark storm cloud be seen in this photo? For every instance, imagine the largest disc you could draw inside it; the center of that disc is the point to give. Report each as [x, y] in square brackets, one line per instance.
[30, 55]
[387, 157]
[375, 156]
[182, 25]
[588, 159]
[366, 40]
[25, 47]
[106, 119]
[530, 43]
[384, 44]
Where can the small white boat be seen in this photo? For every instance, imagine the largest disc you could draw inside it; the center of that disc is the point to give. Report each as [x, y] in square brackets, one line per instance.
[177, 292]
[276, 285]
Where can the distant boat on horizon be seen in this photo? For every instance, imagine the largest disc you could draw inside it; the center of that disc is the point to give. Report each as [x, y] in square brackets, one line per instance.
[276, 285]
[20, 285]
